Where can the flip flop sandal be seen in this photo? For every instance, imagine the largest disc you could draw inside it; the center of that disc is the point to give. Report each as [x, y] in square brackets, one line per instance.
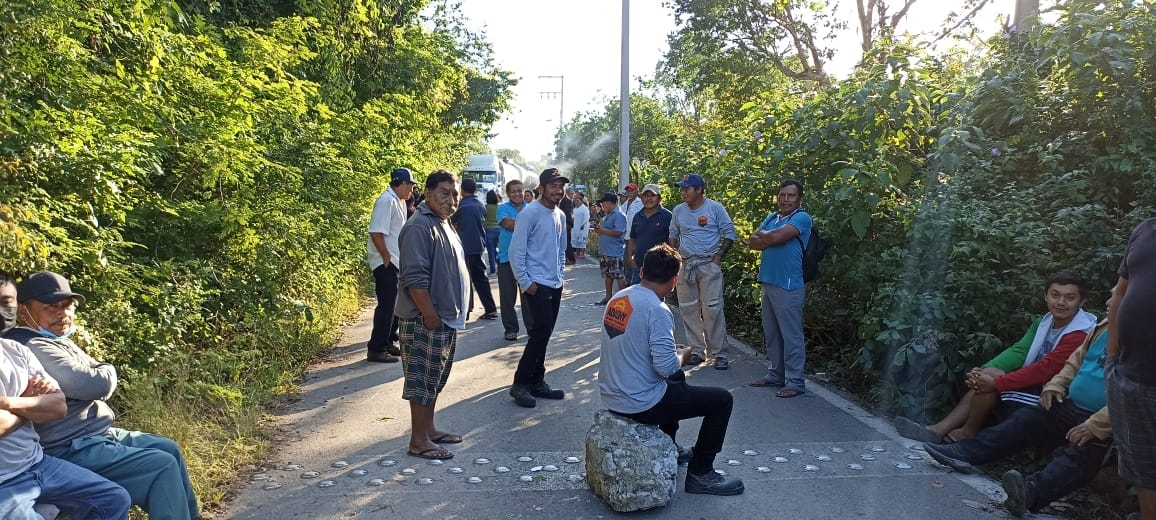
[448, 438]
[429, 454]
[788, 393]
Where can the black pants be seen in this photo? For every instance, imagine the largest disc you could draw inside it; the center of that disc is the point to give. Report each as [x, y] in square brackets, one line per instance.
[481, 283]
[683, 401]
[508, 297]
[540, 313]
[1071, 468]
[384, 322]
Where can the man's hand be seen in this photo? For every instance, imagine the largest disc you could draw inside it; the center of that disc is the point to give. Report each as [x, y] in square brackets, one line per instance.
[1079, 435]
[683, 352]
[980, 382]
[38, 385]
[1049, 397]
[532, 289]
[431, 322]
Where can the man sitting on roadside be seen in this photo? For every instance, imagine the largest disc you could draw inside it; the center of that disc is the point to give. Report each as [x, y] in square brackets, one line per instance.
[1013, 379]
[639, 375]
[1073, 409]
[27, 475]
[149, 467]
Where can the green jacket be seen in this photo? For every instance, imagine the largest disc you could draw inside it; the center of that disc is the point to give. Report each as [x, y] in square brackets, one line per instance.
[1014, 356]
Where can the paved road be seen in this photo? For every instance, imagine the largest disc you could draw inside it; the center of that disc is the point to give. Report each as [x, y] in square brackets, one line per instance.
[342, 450]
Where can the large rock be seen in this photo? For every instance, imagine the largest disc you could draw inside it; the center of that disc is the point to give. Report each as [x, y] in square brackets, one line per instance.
[631, 466]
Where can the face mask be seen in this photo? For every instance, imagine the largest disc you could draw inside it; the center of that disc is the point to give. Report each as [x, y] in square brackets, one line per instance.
[48, 334]
[7, 318]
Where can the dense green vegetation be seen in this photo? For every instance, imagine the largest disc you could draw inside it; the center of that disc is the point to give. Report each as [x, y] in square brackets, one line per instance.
[202, 171]
[950, 185]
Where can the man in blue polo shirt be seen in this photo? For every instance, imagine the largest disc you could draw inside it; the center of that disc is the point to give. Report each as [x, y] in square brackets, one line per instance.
[650, 227]
[782, 238]
[507, 283]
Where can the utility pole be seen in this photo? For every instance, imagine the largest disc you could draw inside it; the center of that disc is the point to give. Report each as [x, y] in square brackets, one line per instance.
[624, 113]
[561, 95]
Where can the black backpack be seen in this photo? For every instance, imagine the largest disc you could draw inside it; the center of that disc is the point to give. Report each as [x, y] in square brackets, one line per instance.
[813, 253]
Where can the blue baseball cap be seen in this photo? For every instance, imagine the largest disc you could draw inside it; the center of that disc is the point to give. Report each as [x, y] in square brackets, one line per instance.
[693, 180]
[401, 174]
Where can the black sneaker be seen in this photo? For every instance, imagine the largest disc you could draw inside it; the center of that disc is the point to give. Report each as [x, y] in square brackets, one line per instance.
[374, 356]
[944, 454]
[695, 359]
[684, 454]
[713, 484]
[1017, 493]
[522, 397]
[544, 391]
[393, 349]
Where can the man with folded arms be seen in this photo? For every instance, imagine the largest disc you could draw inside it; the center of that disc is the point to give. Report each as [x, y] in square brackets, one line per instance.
[150, 467]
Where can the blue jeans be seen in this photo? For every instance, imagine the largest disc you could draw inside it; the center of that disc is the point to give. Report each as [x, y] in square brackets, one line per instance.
[1072, 467]
[149, 467]
[783, 328]
[635, 276]
[492, 249]
[73, 489]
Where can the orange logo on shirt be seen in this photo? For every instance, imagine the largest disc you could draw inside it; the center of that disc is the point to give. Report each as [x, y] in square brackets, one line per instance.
[702, 220]
[617, 316]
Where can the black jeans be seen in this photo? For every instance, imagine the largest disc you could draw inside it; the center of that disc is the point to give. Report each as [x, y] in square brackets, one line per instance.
[540, 313]
[1071, 468]
[508, 297]
[384, 321]
[481, 283]
[683, 401]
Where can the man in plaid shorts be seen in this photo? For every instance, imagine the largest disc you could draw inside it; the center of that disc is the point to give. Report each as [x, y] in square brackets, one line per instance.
[611, 245]
[430, 314]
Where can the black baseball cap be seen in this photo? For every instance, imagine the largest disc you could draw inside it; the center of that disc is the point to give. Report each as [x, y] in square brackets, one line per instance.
[45, 287]
[550, 175]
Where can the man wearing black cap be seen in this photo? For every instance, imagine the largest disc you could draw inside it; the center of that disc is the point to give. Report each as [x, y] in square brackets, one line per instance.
[150, 467]
[538, 256]
[389, 215]
[469, 220]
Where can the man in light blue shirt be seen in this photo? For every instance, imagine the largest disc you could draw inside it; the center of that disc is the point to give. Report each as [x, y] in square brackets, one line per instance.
[781, 238]
[537, 256]
[703, 232]
[639, 375]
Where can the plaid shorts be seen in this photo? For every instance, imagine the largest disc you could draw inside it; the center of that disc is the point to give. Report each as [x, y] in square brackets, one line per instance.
[1132, 410]
[426, 359]
[611, 267]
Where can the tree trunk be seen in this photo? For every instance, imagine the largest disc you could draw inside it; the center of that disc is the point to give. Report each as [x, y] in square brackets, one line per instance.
[1026, 13]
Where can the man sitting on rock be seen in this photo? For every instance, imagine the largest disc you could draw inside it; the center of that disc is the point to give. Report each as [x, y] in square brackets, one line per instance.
[1073, 410]
[1013, 379]
[639, 375]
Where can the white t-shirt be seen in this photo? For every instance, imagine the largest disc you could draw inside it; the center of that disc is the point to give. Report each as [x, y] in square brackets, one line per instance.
[389, 215]
[20, 449]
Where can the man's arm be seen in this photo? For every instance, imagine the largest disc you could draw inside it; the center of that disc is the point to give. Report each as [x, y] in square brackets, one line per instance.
[38, 409]
[722, 250]
[519, 243]
[630, 253]
[1056, 389]
[379, 244]
[85, 378]
[1113, 324]
[429, 315]
[762, 239]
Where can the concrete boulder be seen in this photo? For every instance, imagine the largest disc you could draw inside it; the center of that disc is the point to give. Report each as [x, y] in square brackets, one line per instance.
[629, 465]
